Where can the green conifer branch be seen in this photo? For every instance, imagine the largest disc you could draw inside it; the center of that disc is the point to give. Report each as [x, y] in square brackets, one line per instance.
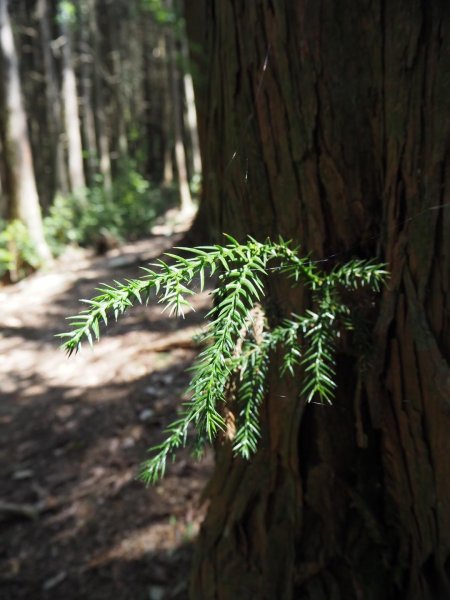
[307, 341]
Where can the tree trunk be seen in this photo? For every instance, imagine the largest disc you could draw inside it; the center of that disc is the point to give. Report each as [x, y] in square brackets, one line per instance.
[21, 187]
[155, 84]
[187, 205]
[191, 114]
[99, 99]
[168, 133]
[3, 198]
[327, 123]
[70, 101]
[54, 112]
[86, 77]
[121, 111]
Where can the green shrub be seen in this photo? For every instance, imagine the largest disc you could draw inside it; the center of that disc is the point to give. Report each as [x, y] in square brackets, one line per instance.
[127, 212]
[18, 257]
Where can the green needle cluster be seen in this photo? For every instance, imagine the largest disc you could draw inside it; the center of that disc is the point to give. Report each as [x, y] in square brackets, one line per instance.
[232, 368]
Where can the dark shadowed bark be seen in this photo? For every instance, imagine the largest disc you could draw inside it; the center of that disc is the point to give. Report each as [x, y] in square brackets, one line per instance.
[328, 123]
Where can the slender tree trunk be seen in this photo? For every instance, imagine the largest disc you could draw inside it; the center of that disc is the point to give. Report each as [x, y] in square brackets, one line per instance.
[22, 191]
[71, 112]
[168, 175]
[99, 100]
[196, 16]
[3, 198]
[86, 79]
[191, 114]
[327, 123]
[134, 84]
[54, 113]
[121, 109]
[155, 98]
[180, 154]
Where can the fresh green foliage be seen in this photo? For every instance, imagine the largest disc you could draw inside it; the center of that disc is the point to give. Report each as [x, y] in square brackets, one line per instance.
[232, 368]
[126, 212]
[66, 12]
[160, 13]
[18, 257]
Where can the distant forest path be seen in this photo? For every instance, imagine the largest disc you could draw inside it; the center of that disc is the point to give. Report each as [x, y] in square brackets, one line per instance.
[74, 522]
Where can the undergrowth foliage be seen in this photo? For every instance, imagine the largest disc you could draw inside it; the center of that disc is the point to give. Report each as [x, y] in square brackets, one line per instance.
[18, 257]
[233, 350]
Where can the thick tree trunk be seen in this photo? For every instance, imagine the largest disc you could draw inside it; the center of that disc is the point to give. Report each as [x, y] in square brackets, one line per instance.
[327, 123]
[21, 183]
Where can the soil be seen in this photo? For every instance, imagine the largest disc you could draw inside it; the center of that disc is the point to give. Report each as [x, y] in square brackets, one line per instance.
[74, 520]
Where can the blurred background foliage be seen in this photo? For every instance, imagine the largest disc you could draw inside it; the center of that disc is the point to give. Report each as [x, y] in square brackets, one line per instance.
[107, 97]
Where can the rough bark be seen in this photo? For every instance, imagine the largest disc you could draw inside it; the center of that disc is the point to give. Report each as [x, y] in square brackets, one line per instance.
[23, 200]
[327, 122]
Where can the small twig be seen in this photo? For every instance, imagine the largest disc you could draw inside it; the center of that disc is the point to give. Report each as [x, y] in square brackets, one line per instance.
[29, 511]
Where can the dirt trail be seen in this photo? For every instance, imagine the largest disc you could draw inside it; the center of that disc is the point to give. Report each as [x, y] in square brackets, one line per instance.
[74, 522]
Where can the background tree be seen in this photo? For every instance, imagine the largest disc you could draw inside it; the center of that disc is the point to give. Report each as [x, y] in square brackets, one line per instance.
[103, 133]
[53, 108]
[328, 123]
[18, 162]
[66, 17]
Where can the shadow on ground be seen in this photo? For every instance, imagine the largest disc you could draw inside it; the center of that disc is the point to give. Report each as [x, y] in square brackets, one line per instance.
[74, 521]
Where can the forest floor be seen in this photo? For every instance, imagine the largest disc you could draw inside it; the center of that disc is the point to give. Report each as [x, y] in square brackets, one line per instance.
[74, 521]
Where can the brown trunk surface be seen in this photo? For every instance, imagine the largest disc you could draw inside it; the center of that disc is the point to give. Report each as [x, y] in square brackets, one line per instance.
[328, 123]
